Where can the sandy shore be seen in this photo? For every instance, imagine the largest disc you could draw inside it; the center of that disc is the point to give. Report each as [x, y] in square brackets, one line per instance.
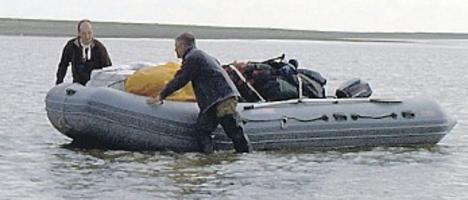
[138, 30]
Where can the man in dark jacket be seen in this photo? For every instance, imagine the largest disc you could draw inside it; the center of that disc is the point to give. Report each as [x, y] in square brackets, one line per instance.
[216, 95]
[85, 54]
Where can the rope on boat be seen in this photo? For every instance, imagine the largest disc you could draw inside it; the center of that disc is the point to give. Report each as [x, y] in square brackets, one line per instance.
[284, 119]
[116, 82]
[337, 116]
[355, 116]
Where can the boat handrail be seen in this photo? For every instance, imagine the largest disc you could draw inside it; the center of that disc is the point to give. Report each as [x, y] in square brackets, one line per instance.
[321, 101]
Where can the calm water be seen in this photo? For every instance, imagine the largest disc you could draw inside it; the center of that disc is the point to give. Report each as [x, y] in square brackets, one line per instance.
[36, 164]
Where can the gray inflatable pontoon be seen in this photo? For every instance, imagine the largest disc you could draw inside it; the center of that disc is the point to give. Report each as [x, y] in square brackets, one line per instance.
[120, 120]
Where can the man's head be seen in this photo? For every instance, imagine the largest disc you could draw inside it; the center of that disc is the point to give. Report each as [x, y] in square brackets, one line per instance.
[85, 31]
[184, 42]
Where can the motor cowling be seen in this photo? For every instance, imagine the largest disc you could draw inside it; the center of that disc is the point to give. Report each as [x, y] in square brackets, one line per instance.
[354, 88]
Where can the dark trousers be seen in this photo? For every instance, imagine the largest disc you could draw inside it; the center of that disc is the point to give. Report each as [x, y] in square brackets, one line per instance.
[223, 113]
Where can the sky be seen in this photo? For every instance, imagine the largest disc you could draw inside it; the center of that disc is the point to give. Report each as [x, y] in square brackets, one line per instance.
[324, 15]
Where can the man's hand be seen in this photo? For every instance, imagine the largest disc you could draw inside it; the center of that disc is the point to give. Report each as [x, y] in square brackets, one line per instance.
[154, 100]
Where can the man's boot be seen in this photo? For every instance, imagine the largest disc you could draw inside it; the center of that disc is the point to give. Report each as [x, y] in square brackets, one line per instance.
[205, 143]
[234, 131]
[241, 141]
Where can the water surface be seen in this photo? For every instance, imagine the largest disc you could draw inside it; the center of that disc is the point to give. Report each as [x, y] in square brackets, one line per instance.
[36, 162]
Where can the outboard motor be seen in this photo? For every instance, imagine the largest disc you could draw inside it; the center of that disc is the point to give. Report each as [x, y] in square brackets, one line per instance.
[354, 88]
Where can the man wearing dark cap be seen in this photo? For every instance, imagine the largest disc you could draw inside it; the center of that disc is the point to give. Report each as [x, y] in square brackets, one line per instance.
[216, 95]
[85, 54]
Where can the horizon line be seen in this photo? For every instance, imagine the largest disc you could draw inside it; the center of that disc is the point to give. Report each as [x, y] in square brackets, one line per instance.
[235, 27]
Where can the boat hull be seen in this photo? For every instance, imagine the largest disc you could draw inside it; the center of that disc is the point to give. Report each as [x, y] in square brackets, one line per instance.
[121, 120]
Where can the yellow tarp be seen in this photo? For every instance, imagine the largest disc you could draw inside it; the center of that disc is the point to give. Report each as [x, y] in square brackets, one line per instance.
[150, 81]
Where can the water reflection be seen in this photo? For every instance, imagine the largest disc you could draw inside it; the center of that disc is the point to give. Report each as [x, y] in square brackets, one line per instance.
[224, 174]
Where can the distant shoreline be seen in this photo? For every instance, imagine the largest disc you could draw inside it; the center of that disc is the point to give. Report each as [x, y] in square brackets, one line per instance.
[55, 28]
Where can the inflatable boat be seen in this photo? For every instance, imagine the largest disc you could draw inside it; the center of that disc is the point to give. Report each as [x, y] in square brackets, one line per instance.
[120, 120]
